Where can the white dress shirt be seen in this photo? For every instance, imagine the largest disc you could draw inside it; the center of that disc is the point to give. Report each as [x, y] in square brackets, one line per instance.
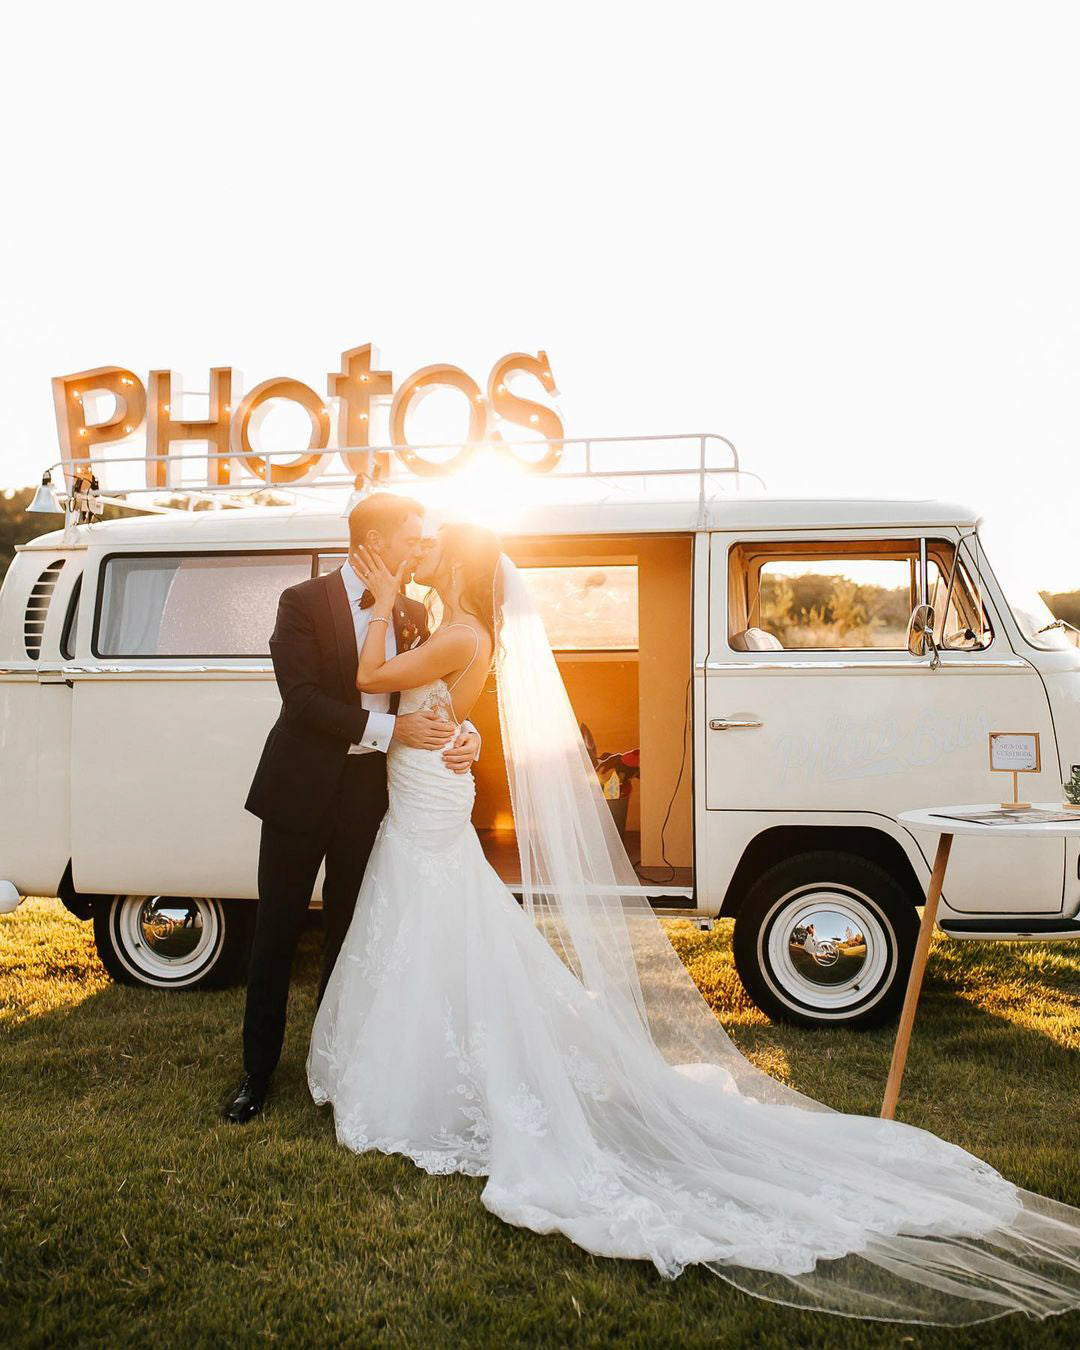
[380, 723]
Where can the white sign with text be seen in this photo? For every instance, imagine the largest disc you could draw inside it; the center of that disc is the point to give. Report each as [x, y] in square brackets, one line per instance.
[1014, 751]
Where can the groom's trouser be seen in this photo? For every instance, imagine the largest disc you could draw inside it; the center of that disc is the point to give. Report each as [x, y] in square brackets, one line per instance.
[288, 866]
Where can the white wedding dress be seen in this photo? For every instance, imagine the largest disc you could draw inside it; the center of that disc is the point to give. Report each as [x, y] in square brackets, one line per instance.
[472, 1035]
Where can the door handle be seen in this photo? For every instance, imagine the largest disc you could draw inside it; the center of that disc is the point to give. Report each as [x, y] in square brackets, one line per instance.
[734, 723]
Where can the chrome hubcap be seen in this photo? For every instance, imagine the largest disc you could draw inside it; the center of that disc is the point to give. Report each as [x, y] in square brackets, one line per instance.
[827, 947]
[172, 929]
[171, 938]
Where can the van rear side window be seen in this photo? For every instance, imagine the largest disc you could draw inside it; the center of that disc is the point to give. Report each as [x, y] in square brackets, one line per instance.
[194, 605]
[70, 635]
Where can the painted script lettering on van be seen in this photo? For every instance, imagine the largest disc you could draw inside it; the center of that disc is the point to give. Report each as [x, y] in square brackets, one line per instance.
[844, 748]
[229, 428]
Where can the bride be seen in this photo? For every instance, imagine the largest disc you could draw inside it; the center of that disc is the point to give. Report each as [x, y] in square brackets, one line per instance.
[560, 1049]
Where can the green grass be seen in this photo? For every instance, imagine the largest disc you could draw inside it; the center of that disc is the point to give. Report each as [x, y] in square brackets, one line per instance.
[130, 1215]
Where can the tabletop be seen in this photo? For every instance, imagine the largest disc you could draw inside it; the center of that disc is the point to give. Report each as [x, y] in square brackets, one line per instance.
[937, 818]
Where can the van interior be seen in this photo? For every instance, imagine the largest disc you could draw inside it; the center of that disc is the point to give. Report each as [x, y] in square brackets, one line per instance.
[618, 613]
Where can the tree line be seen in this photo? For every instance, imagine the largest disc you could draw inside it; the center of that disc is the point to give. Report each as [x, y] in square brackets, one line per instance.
[19, 526]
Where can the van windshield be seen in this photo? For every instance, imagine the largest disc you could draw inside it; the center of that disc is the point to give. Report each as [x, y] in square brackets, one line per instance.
[1038, 624]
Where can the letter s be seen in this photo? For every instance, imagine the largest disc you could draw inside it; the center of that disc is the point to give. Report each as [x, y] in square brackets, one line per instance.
[522, 411]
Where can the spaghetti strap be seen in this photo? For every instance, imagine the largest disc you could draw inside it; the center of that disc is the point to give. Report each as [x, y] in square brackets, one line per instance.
[476, 647]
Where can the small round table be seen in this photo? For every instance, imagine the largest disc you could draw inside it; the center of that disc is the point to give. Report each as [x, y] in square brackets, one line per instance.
[937, 818]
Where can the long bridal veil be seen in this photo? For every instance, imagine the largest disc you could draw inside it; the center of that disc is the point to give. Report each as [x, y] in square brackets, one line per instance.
[814, 1208]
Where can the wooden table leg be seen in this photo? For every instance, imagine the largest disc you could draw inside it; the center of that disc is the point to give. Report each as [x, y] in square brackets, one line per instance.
[915, 979]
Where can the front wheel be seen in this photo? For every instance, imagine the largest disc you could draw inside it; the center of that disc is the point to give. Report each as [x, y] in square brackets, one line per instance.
[173, 942]
[826, 939]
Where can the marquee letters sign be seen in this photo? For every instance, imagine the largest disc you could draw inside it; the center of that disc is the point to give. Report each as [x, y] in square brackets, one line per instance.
[228, 428]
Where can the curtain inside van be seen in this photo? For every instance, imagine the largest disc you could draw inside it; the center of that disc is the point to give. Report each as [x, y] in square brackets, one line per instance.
[135, 593]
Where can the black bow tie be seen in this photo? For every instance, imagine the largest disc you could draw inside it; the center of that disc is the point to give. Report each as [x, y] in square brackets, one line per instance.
[366, 600]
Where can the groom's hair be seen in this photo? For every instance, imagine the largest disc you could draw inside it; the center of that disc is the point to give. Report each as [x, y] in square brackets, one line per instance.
[382, 511]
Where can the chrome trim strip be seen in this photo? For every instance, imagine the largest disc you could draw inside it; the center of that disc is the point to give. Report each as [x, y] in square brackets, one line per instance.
[1016, 934]
[924, 579]
[156, 671]
[914, 664]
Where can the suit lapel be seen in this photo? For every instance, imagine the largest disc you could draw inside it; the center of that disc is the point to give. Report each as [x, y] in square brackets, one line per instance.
[344, 630]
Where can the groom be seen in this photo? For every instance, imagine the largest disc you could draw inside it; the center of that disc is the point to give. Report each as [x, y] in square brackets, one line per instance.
[320, 787]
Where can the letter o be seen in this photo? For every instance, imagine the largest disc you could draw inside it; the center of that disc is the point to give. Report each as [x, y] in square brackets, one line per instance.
[297, 392]
[430, 376]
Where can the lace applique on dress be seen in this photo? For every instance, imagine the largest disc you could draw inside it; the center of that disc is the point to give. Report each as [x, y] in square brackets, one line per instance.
[471, 1061]
[585, 1074]
[433, 698]
[526, 1112]
[380, 957]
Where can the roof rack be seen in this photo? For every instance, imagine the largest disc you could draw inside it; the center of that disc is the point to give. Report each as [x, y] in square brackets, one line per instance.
[601, 460]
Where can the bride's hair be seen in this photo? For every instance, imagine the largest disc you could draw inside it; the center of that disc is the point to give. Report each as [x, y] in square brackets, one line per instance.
[477, 551]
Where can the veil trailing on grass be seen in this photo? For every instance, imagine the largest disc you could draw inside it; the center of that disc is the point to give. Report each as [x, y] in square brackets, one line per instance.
[778, 1194]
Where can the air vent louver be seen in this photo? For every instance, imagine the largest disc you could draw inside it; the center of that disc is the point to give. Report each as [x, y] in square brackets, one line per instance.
[37, 608]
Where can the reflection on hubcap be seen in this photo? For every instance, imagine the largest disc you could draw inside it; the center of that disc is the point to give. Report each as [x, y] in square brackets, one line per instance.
[167, 940]
[171, 928]
[828, 948]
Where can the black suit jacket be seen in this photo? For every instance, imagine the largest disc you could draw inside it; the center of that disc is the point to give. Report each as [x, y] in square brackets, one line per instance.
[313, 647]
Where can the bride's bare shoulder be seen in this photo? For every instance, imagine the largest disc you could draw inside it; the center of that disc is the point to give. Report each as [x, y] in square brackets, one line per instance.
[470, 633]
[454, 636]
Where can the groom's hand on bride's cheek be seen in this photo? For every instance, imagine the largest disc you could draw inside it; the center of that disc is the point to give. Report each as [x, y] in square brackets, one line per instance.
[422, 730]
[461, 754]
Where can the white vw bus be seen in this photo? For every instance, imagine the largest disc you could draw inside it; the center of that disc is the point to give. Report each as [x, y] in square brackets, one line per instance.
[754, 650]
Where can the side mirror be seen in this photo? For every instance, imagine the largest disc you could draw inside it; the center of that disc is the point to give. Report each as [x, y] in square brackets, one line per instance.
[920, 634]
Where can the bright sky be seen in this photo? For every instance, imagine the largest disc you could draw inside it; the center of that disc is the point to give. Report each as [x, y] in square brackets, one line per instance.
[844, 235]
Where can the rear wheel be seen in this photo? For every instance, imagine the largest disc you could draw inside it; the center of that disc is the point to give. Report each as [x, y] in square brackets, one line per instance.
[173, 942]
[826, 939]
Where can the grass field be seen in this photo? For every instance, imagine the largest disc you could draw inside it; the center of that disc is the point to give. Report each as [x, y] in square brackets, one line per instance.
[131, 1216]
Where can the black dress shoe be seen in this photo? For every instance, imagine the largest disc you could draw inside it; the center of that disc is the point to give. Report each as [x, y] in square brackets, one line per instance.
[248, 1099]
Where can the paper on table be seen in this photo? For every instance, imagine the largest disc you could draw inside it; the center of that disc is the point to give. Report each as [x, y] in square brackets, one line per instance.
[1028, 817]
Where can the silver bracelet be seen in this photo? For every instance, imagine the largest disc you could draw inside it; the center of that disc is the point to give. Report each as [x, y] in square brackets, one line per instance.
[378, 618]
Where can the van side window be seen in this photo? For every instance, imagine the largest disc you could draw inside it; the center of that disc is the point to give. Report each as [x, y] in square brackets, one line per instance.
[591, 608]
[584, 608]
[961, 622]
[195, 605]
[839, 596]
[71, 622]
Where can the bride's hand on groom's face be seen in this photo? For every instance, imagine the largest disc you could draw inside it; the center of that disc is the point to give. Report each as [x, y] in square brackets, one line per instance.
[383, 584]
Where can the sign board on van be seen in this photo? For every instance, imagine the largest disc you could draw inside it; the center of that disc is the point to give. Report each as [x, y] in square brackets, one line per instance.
[228, 428]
